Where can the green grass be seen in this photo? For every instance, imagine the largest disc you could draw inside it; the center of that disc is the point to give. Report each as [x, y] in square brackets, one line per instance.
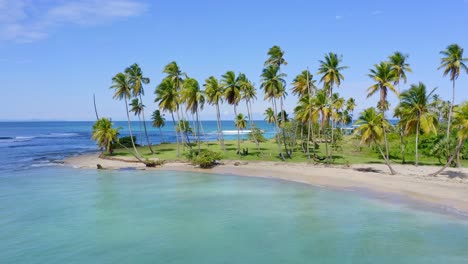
[349, 152]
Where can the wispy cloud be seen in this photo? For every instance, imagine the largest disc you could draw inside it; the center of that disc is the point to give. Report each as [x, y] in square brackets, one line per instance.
[376, 12]
[31, 20]
[337, 17]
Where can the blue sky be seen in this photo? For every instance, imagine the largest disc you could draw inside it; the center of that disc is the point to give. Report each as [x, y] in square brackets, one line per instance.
[55, 54]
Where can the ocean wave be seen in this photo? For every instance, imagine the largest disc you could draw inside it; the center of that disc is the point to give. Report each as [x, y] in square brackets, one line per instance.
[63, 135]
[6, 138]
[234, 132]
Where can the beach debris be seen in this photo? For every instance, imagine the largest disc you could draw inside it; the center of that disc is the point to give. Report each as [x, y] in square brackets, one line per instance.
[99, 167]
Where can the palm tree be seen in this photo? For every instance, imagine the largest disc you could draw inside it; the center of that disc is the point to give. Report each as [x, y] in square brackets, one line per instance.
[371, 126]
[159, 121]
[321, 105]
[195, 100]
[384, 77]
[214, 94]
[460, 120]
[452, 63]
[104, 134]
[269, 116]
[330, 70]
[136, 83]
[304, 84]
[241, 124]
[137, 108]
[276, 57]
[415, 111]
[168, 100]
[121, 85]
[305, 112]
[248, 93]
[399, 65]
[350, 106]
[232, 90]
[273, 86]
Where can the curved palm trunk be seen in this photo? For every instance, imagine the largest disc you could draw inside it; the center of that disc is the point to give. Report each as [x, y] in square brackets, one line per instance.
[385, 158]
[198, 130]
[95, 108]
[144, 126]
[282, 129]
[238, 132]
[451, 109]
[417, 141]
[220, 132]
[176, 134]
[385, 138]
[457, 150]
[141, 131]
[276, 128]
[130, 127]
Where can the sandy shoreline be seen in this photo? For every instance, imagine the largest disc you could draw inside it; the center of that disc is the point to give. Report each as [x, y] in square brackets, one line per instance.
[449, 191]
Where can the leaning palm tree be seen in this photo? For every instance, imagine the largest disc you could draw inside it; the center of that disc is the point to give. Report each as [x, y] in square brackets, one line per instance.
[136, 83]
[384, 78]
[241, 124]
[330, 70]
[415, 112]
[452, 63]
[137, 108]
[214, 94]
[460, 120]
[121, 85]
[105, 135]
[195, 100]
[168, 100]
[371, 125]
[159, 121]
[399, 65]
[273, 86]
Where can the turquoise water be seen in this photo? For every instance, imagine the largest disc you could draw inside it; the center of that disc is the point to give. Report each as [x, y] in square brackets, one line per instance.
[61, 215]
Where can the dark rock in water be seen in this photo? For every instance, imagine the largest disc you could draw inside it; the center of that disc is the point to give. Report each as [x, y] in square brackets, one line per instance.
[99, 167]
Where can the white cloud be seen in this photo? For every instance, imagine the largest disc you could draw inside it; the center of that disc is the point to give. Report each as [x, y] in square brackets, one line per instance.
[31, 20]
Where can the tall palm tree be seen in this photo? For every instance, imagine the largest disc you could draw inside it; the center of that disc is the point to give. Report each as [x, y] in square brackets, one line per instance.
[241, 124]
[350, 106]
[305, 112]
[321, 105]
[276, 57]
[371, 125]
[168, 100]
[384, 78]
[304, 84]
[232, 90]
[137, 108]
[121, 85]
[159, 121]
[248, 94]
[330, 70]
[214, 94]
[460, 120]
[269, 116]
[399, 65]
[415, 111]
[104, 134]
[273, 86]
[452, 63]
[195, 100]
[136, 83]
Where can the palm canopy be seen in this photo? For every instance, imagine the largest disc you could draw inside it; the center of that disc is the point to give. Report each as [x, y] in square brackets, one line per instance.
[158, 119]
[231, 86]
[192, 95]
[350, 104]
[174, 74]
[384, 77]
[136, 79]
[330, 70]
[269, 115]
[460, 120]
[303, 84]
[399, 65]
[214, 90]
[273, 83]
[247, 89]
[137, 106]
[452, 61]
[167, 96]
[414, 109]
[121, 84]
[104, 134]
[276, 57]
[240, 121]
[371, 124]
[305, 109]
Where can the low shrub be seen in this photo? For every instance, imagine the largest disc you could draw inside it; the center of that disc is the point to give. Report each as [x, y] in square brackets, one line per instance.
[205, 159]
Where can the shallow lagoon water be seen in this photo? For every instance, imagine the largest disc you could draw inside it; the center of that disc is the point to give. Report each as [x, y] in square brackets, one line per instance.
[62, 215]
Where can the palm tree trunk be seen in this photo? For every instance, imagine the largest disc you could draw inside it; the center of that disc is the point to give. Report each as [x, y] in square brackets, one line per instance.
[385, 137]
[95, 108]
[141, 130]
[144, 125]
[238, 131]
[181, 128]
[198, 130]
[130, 127]
[249, 113]
[309, 124]
[385, 158]
[402, 146]
[458, 149]
[458, 160]
[282, 129]
[313, 138]
[220, 131]
[451, 109]
[160, 132]
[176, 134]
[417, 141]
[278, 138]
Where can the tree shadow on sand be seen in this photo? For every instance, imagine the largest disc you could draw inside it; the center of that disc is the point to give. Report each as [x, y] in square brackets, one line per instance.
[368, 169]
[454, 174]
